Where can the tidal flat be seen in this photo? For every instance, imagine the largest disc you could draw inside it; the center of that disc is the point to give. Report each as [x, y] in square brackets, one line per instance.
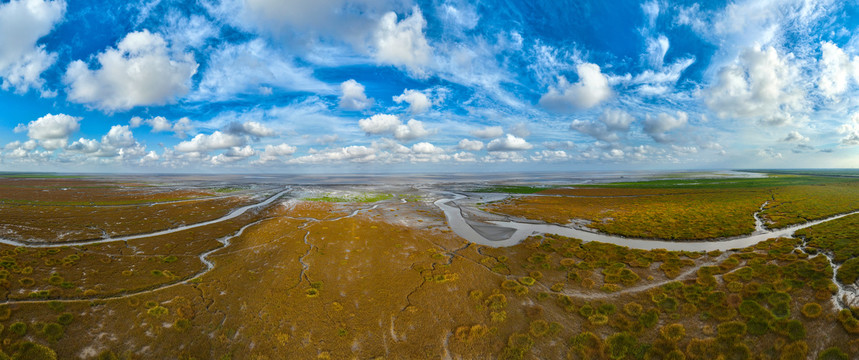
[701, 265]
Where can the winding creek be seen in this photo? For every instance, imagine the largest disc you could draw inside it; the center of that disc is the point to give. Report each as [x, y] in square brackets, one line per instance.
[522, 230]
[846, 296]
[233, 214]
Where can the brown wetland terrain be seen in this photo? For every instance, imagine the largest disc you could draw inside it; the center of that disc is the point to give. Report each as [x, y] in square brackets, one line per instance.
[136, 268]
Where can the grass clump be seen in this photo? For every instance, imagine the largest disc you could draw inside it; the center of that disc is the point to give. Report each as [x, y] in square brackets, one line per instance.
[673, 332]
[832, 353]
[311, 292]
[157, 311]
[812, 310]
[169, 259]
[53, 331]
[65, 318]
[18, 328]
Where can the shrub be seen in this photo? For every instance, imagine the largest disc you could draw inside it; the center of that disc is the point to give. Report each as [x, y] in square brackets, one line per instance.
[607, 309]
[169, 259]
[53, 331]
[669, 304]
[509, 284]
[700, 349]
[496, 301]
[517, 345]
[794, 351]
[673, 332]
[157, 311]
[621, 345]
[476, 294]
[793, 329]
[536, 275]
[33, 351]
[527, 280]
[598, 319]
[649, 318]
[731, 330]
[812, 310]
[498, 316]
[848, 321]
[311, 292]
[539, 328]
[757, 326]
[18, 328]
[832, 353]
[5, 312]
[65, 318]
[587, 345]
[632, 308]
[586, 310]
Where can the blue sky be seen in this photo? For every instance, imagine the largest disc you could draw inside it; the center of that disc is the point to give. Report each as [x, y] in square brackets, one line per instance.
[426, 86]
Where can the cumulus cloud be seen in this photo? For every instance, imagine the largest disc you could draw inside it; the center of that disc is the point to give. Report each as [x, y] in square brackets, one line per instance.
[22, 24]
[251, 128]
[391, 124]
[118, 144]
[426, 148]
[217, 140]
[836, 70]
[471, 145]
[353, 96]
[488, 132]
[276, 152]
[380, 124]
[612, 123]
[658, 127]
[353, 153]
[551, 156]
[591, 89]
[233, 154]
[508, 143]
[139, 71]
[160, 124]
[51, 131]
[759, 86]
[418, 101]
[403, 43]
[795, 137]
[850, 131]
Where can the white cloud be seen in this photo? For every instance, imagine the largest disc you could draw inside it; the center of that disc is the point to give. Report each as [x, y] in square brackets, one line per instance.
[836, 70]
[418, 101]
[328, 139]
[508, 143]
[203, 142]
[380, 124]
[591, 89]
[414, 129]
[118, 136]
[160, 124]
[139, 71]
[612, 123]
[349, 153]
[276, 152]
[22, 24]
[488, 132]
[51, 131]
[426, 148]
[758, 85]
[353, 97]
[253, 68]
[551, 155]
[796, 137]
[391, 124]
[658, 127]
[656, 50]
[233, 154]
[850, 131]
[251, 128]
[403, 43]
[471, 145]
